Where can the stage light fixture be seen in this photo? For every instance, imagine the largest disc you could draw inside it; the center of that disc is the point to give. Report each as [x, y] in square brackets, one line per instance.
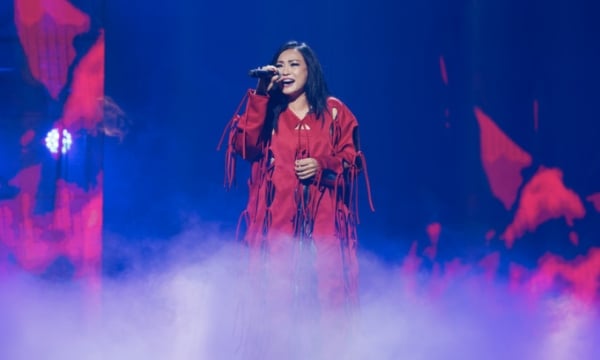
[57, 138]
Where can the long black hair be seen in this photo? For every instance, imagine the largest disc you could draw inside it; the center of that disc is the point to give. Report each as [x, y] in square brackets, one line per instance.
[315, 88]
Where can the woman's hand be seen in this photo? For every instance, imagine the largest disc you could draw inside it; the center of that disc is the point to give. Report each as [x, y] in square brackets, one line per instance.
[306, 168]
[265, 84]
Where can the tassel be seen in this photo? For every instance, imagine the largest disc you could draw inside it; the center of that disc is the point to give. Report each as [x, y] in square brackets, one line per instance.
[230, 128]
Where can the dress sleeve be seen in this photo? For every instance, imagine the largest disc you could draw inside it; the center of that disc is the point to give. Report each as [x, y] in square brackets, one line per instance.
[344, 142]
[340, 168]
[245, 135]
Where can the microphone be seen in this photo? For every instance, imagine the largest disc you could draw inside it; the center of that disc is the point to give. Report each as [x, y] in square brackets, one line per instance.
[262, 73]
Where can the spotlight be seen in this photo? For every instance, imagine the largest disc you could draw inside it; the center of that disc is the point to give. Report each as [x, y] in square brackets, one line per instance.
[56, 139]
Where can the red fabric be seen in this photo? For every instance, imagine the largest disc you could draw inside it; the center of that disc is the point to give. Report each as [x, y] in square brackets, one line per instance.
[285, 215]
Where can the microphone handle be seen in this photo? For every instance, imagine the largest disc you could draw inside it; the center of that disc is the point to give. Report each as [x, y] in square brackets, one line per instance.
[261, 73]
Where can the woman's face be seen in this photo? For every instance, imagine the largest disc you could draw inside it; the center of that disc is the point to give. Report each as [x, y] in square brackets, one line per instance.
[293, 71]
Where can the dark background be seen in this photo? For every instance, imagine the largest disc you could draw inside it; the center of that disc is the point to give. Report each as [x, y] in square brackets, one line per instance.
[179, 71]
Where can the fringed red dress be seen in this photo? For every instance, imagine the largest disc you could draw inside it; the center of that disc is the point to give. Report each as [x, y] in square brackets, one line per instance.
[303, 232]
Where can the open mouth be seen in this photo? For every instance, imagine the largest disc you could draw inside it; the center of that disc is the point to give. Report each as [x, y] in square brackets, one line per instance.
[287, 82]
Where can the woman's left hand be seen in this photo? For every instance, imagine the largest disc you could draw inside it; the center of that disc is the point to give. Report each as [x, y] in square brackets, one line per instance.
[306, 168]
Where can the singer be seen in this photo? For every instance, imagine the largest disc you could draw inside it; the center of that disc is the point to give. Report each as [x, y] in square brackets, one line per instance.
[303, 148]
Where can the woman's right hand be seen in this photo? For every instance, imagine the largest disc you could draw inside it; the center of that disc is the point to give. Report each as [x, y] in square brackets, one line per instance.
[266, 84]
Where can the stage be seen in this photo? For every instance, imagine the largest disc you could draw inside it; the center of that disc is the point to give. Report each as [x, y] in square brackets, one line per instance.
[119, 238]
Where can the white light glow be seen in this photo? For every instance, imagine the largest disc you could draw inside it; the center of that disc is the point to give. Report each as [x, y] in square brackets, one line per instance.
[55, 139]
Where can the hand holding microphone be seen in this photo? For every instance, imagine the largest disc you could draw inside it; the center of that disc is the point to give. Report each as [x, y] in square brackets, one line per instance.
[267, 77]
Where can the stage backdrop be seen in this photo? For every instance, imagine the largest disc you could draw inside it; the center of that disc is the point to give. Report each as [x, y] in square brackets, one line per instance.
[477, 120]
[52, 85]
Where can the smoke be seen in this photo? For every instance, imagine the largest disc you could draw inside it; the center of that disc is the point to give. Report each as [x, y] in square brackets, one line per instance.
[195, 302]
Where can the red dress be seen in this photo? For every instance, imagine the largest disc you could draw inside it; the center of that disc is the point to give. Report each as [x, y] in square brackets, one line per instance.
[303, 231]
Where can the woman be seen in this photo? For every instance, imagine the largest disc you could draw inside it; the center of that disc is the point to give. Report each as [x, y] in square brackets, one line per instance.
[303, 148]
